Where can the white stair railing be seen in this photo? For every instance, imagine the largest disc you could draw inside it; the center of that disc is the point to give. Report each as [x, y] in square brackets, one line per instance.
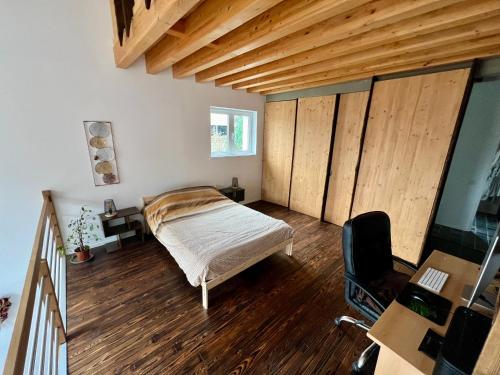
[40, 329]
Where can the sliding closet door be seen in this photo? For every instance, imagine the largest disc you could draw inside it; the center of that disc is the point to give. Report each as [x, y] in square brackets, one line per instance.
[279, 129]
[345, 156]
[312, 148]
[408, 136]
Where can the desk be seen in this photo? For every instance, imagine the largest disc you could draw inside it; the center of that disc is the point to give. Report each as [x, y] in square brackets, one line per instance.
[399, 331]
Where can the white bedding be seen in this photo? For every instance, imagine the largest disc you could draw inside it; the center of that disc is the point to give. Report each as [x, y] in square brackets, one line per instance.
[211, 243]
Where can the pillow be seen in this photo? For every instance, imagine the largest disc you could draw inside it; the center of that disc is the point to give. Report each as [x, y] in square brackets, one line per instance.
[182, 202]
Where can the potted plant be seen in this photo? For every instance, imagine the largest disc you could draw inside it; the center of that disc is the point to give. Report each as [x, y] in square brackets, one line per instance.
[82, 230]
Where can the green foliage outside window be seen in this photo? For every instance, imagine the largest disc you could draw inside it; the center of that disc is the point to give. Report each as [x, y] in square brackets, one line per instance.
[238, 132]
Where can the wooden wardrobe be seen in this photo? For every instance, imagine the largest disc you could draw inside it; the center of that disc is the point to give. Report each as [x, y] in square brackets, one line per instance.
[311, 152]
[345, 156]
[277, 154]
[408, 137]
[387, 153]
[297, 135]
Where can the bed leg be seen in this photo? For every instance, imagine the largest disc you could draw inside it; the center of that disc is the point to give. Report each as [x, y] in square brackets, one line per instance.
[204, 295]
[289, 249]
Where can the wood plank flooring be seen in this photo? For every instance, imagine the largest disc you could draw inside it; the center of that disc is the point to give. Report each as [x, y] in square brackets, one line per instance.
[133, 311]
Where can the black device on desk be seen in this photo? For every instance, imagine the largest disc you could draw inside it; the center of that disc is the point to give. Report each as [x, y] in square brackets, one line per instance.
[431, 344]
[463, 342]
[427, 304]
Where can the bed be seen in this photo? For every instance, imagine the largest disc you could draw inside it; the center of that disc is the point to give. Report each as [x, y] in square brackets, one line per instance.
[211, 237]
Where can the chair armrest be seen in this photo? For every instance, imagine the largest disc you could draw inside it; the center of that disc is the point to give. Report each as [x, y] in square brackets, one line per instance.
[404, 263]
[363, 286]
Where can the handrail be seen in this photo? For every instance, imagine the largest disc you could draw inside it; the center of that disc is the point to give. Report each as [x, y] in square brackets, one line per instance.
[43, 285]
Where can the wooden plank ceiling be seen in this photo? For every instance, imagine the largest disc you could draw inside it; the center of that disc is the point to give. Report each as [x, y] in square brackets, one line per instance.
[272, 46]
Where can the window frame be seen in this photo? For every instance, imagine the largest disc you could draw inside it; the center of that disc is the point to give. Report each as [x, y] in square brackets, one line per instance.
[252, 141]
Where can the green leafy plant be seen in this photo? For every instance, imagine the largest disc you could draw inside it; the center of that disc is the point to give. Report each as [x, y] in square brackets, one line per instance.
[61, 250]
[83, 229]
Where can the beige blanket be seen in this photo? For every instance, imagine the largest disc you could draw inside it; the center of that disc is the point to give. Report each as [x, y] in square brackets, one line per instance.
[180, 203]
[214, 242]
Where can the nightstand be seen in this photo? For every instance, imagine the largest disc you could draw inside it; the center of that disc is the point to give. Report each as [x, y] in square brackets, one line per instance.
[236, 194]
[116, 229]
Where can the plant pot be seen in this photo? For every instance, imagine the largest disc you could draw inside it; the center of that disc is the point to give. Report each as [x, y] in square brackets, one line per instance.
[82, 254]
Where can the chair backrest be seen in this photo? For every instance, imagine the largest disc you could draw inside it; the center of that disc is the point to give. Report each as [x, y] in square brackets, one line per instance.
[366, 240]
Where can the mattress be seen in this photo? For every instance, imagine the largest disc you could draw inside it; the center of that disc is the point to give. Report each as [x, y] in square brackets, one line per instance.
[208, 244]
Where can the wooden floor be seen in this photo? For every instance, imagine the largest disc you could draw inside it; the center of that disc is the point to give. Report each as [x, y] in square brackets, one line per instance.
[133, 311]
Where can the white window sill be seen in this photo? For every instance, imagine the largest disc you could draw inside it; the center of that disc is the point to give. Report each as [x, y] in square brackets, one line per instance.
[218, 156]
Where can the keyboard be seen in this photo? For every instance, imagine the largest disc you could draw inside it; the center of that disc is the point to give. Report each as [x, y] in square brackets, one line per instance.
[433, 280]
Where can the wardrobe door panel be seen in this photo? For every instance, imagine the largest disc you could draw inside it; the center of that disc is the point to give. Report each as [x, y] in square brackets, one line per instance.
[410, 128]
[345, 156]
[312, 148]
[279, 129]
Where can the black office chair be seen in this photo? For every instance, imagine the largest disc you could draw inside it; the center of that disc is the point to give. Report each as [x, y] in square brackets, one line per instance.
[371, 283]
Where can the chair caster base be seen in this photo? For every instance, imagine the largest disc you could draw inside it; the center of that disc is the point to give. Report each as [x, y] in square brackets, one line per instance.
[355, 369]
[344, 318]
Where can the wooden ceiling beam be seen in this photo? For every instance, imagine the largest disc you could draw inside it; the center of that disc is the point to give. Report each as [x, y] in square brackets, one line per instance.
[453, 16]
[211, 20]
[373, 15]
[457, 49]
[287, 17]
[488, 27]
[178, 31]
[148, 26]
[480, 53]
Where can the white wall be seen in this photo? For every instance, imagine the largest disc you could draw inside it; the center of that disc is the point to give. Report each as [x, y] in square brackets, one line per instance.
[476, 146]
[57, 70]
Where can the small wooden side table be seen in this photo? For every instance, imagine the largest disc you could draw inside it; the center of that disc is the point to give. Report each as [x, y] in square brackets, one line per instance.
[236, 194]
[118, 229]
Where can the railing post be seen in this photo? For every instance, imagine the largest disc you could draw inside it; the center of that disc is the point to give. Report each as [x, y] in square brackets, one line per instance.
[53, 301]
[47, 194]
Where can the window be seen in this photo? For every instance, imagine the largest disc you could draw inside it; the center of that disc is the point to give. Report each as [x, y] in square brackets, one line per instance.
[232, 132]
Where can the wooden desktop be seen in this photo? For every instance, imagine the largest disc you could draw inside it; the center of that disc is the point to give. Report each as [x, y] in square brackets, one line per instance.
[399, 331]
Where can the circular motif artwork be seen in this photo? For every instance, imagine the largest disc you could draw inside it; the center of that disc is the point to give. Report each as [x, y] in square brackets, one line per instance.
[102, 153]
[104, 167]
[99, 129]
[105, 154]
[98, 142]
